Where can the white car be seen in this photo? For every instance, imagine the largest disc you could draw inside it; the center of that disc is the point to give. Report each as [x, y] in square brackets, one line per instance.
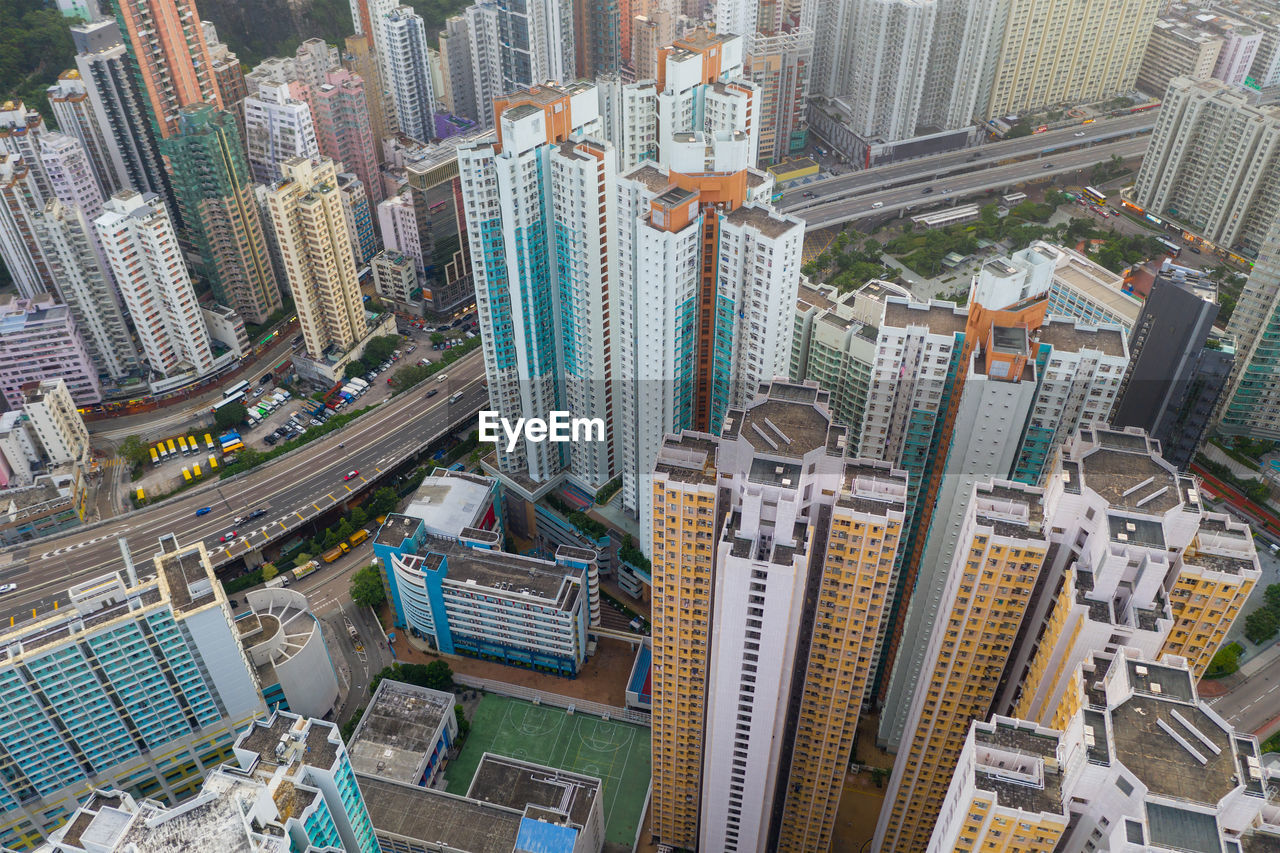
[877, 205]
[8, 587]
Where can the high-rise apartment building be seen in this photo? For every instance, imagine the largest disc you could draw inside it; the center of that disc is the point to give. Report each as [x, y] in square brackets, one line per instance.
[1180, 365]
[214, 190]
[19, 205]
[109, 75]
[84, 283]
[278, 127]
[406, 72]
[355, 206]
[74, 111]
[39, 341]
[359, 58]
[772, 552]
[484, 41]
[142, 250]
[1252, 400]
[136, 684]
[228, 76]
[70, 175]
[1140, 563]
[780, 63]
[1213, 155]
[459, 93]
[994, 390]
[1059, 52]
[1139, 762]
[1177, 49]
[597, 38]
[538, 43]
[1002, 544]
[20, 133]
[53, 418]
[875, 60]
[319, 264]
[344, 132]
[166, 40]
[562, 190]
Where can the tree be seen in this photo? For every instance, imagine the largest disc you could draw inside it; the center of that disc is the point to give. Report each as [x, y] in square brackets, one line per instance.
[366, 587]
[345, 529]
[359, 515]
[464, 725]
[349, 727]
[379, 349]
[407, 377]
[1261, 625]
[330, 540]
[384, 501]
[355, 369]
[232, 414]
[437, 337]
[133, 450]
[1225, 662]
[269, 571]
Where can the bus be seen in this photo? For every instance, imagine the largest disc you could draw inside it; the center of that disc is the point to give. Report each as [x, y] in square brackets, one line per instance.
[213, 464]
[195, 469]
[173, 450]
[182, 445]
[155, 457]
[164, 453]
[142, 496]
[233, 447]
[238, 397]
[238, 388]
[208, 441]
[186, 474]
[1100, 198]
[1171, 248]
[193, 444]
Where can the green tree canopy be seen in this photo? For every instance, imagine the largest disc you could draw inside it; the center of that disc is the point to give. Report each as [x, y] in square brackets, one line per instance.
[366, 587]
[230, 415]
[134, 450]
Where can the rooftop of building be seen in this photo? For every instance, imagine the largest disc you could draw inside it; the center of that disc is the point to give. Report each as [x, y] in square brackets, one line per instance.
[434, 817]
[787, 423]
[762, 219]
[186, 573]
[396, 528]
[651, 176]
[941, 318]
[397, 733]
[1126, 470]
[516, 784]
[310, 741]
[1020, 766]
[872, 487]
[284, 621]
[448, 502]
[702, 38]
[1069, 336]
[1168, 741]
[807, 294]
[512, 573]
[1010, 510]
[688, 458]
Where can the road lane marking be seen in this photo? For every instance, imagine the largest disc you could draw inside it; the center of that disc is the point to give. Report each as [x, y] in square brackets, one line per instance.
[317, 507]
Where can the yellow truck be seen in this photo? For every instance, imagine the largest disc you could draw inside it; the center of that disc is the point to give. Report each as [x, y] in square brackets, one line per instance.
[359, 536]
[330, 556]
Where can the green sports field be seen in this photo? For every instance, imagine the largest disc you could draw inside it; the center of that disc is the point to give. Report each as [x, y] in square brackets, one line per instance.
[616, 753]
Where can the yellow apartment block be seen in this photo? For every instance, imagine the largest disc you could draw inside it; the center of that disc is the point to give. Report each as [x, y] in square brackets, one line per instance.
[1000, 551]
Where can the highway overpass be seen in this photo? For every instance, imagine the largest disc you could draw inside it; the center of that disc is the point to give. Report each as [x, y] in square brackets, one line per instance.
[293, 489]
[828, 212]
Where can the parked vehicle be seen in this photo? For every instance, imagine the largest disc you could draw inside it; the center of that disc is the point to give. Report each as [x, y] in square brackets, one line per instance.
[330, 556]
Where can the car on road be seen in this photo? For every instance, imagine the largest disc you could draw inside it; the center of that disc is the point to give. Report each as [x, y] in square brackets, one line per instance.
[8, 587]
[204, 510]
[1078, 133]
[945, 190]
[442, 377]
[239, 520]
[352, 474]
[257, 513]
[808, 194]
[431, 393]
[258, 392]
[266, 377]
[926, 190]
[877, 205]
[1047, 166]
[228, 536]
[1194, 250]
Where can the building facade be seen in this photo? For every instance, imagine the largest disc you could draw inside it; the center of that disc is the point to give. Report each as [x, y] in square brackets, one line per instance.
[57, 425]
[406, 72]
[310, 226]
[39, 341]
[141, 248]
[19, 204]
[74, 111]
[756, 696]
[213, 187]
[278, 127]
[148, 682]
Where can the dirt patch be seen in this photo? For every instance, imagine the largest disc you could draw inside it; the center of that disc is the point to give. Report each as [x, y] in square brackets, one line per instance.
[860, 805]
[865, 750]
[603, 677]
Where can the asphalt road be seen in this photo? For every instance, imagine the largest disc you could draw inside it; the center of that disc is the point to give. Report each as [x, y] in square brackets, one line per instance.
[967, 160]
[912, 198]
[1254, 704]
[293, 490]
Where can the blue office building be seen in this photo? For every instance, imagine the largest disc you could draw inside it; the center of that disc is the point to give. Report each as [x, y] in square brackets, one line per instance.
[466, 596]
